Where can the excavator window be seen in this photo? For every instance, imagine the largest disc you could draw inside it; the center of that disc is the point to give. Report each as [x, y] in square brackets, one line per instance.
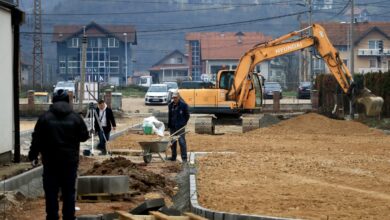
[226, 80]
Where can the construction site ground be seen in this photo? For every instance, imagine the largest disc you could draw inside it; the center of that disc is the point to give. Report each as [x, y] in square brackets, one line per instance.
[309, 167]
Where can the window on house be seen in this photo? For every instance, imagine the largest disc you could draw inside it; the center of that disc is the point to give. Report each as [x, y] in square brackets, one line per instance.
[318, 64]
[345, 61]
[180, 60]
[99, 43]
[62, 60]
[341, 48]
[92, 42]
[75, 42]
[374, 44]
[113, 42]
[373, 63]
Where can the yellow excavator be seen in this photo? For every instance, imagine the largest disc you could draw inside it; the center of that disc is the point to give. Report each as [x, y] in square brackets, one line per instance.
[240, 91]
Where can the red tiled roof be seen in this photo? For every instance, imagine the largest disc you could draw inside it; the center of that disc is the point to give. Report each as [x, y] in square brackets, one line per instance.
[226, 45]
[63, 32]
[338, 33]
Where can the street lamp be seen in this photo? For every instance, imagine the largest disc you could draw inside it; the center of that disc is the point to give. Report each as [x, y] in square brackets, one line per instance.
[125, 34]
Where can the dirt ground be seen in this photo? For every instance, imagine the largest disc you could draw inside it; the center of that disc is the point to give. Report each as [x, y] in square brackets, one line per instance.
[307, 167]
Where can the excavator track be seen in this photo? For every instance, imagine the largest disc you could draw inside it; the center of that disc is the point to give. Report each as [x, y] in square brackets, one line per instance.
[204, 125]
[250, 122]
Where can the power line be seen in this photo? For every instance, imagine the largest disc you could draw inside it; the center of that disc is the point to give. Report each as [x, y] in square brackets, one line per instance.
[195, 27]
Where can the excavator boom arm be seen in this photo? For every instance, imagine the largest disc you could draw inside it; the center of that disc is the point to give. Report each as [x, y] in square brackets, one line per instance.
[279, 47]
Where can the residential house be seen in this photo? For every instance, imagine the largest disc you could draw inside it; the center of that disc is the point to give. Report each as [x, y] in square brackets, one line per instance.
[371, 45]
[108, 52]
[210, 52]
[172, 67]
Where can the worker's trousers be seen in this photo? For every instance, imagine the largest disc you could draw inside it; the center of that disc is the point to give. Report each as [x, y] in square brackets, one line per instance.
[102, 142]
[55, 178]
[183, 146]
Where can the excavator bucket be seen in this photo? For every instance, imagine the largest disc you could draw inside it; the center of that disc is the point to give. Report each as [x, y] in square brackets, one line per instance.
[373, 104]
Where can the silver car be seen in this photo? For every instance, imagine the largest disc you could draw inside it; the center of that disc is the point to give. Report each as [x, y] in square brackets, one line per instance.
[157, 94]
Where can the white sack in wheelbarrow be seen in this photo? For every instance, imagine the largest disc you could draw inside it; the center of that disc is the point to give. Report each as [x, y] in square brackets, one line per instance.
[157, 126]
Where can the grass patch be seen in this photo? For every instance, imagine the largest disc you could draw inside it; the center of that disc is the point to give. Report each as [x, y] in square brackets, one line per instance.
[290, 94]
[132, 91]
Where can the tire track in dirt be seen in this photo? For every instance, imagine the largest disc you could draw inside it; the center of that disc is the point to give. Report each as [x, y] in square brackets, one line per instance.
[307, 180]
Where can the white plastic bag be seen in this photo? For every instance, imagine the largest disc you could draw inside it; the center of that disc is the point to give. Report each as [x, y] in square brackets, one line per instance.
[157, 126]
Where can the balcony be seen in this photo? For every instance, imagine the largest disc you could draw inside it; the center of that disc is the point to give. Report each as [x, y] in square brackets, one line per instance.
[374, 69]
[372, 52]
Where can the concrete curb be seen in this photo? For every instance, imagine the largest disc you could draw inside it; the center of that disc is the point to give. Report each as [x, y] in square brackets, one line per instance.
[102, 184]
[196, 208]
[28, 183]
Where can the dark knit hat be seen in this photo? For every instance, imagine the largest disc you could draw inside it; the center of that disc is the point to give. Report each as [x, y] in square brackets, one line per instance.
[60, 95]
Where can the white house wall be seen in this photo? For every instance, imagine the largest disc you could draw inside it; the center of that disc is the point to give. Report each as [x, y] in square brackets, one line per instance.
[6, 97]
[232, 64]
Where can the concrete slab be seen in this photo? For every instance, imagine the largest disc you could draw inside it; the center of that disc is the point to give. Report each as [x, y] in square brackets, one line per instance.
[102, 184]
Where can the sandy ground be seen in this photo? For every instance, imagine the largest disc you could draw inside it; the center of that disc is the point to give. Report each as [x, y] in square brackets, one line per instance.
[309, 167]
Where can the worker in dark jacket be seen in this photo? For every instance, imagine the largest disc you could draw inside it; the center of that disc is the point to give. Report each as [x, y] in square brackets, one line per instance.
[178, 117]
[57, 136]
[107, 121]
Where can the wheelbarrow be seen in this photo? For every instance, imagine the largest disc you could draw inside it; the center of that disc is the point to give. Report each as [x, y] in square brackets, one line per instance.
[158, 146]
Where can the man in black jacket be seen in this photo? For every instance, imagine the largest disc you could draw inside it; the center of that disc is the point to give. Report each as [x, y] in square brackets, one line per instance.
[57, 136]
[107, 121]
[178, 117]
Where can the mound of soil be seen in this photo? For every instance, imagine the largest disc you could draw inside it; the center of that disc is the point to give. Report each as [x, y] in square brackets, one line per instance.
[141, 179]
[318, 124]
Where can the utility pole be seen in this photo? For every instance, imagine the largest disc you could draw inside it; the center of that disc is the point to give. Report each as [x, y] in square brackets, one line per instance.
[352, 66]
[310, 71]
[125, 34]
[82, 77]
[352, 63]
[37, 75]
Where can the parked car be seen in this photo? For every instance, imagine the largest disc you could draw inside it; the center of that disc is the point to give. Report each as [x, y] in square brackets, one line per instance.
[304, 90]
[172, 86]
[270, 88]
[157, 94]
[196, 85]
[69, 86]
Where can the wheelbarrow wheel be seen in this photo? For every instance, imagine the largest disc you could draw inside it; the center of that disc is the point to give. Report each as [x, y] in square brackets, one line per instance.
[147, 158]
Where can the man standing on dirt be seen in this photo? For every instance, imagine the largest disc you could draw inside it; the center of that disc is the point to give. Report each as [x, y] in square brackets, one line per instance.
[107, 121]
[57, 136]
[178, 117]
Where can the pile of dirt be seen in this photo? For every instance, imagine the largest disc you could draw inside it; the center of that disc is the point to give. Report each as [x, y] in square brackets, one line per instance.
[312, 123]
[141, 179]
[11, 200]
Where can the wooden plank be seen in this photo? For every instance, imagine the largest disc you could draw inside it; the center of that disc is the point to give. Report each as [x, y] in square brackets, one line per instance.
[193, 216]
[127, 216]
[159, 215]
